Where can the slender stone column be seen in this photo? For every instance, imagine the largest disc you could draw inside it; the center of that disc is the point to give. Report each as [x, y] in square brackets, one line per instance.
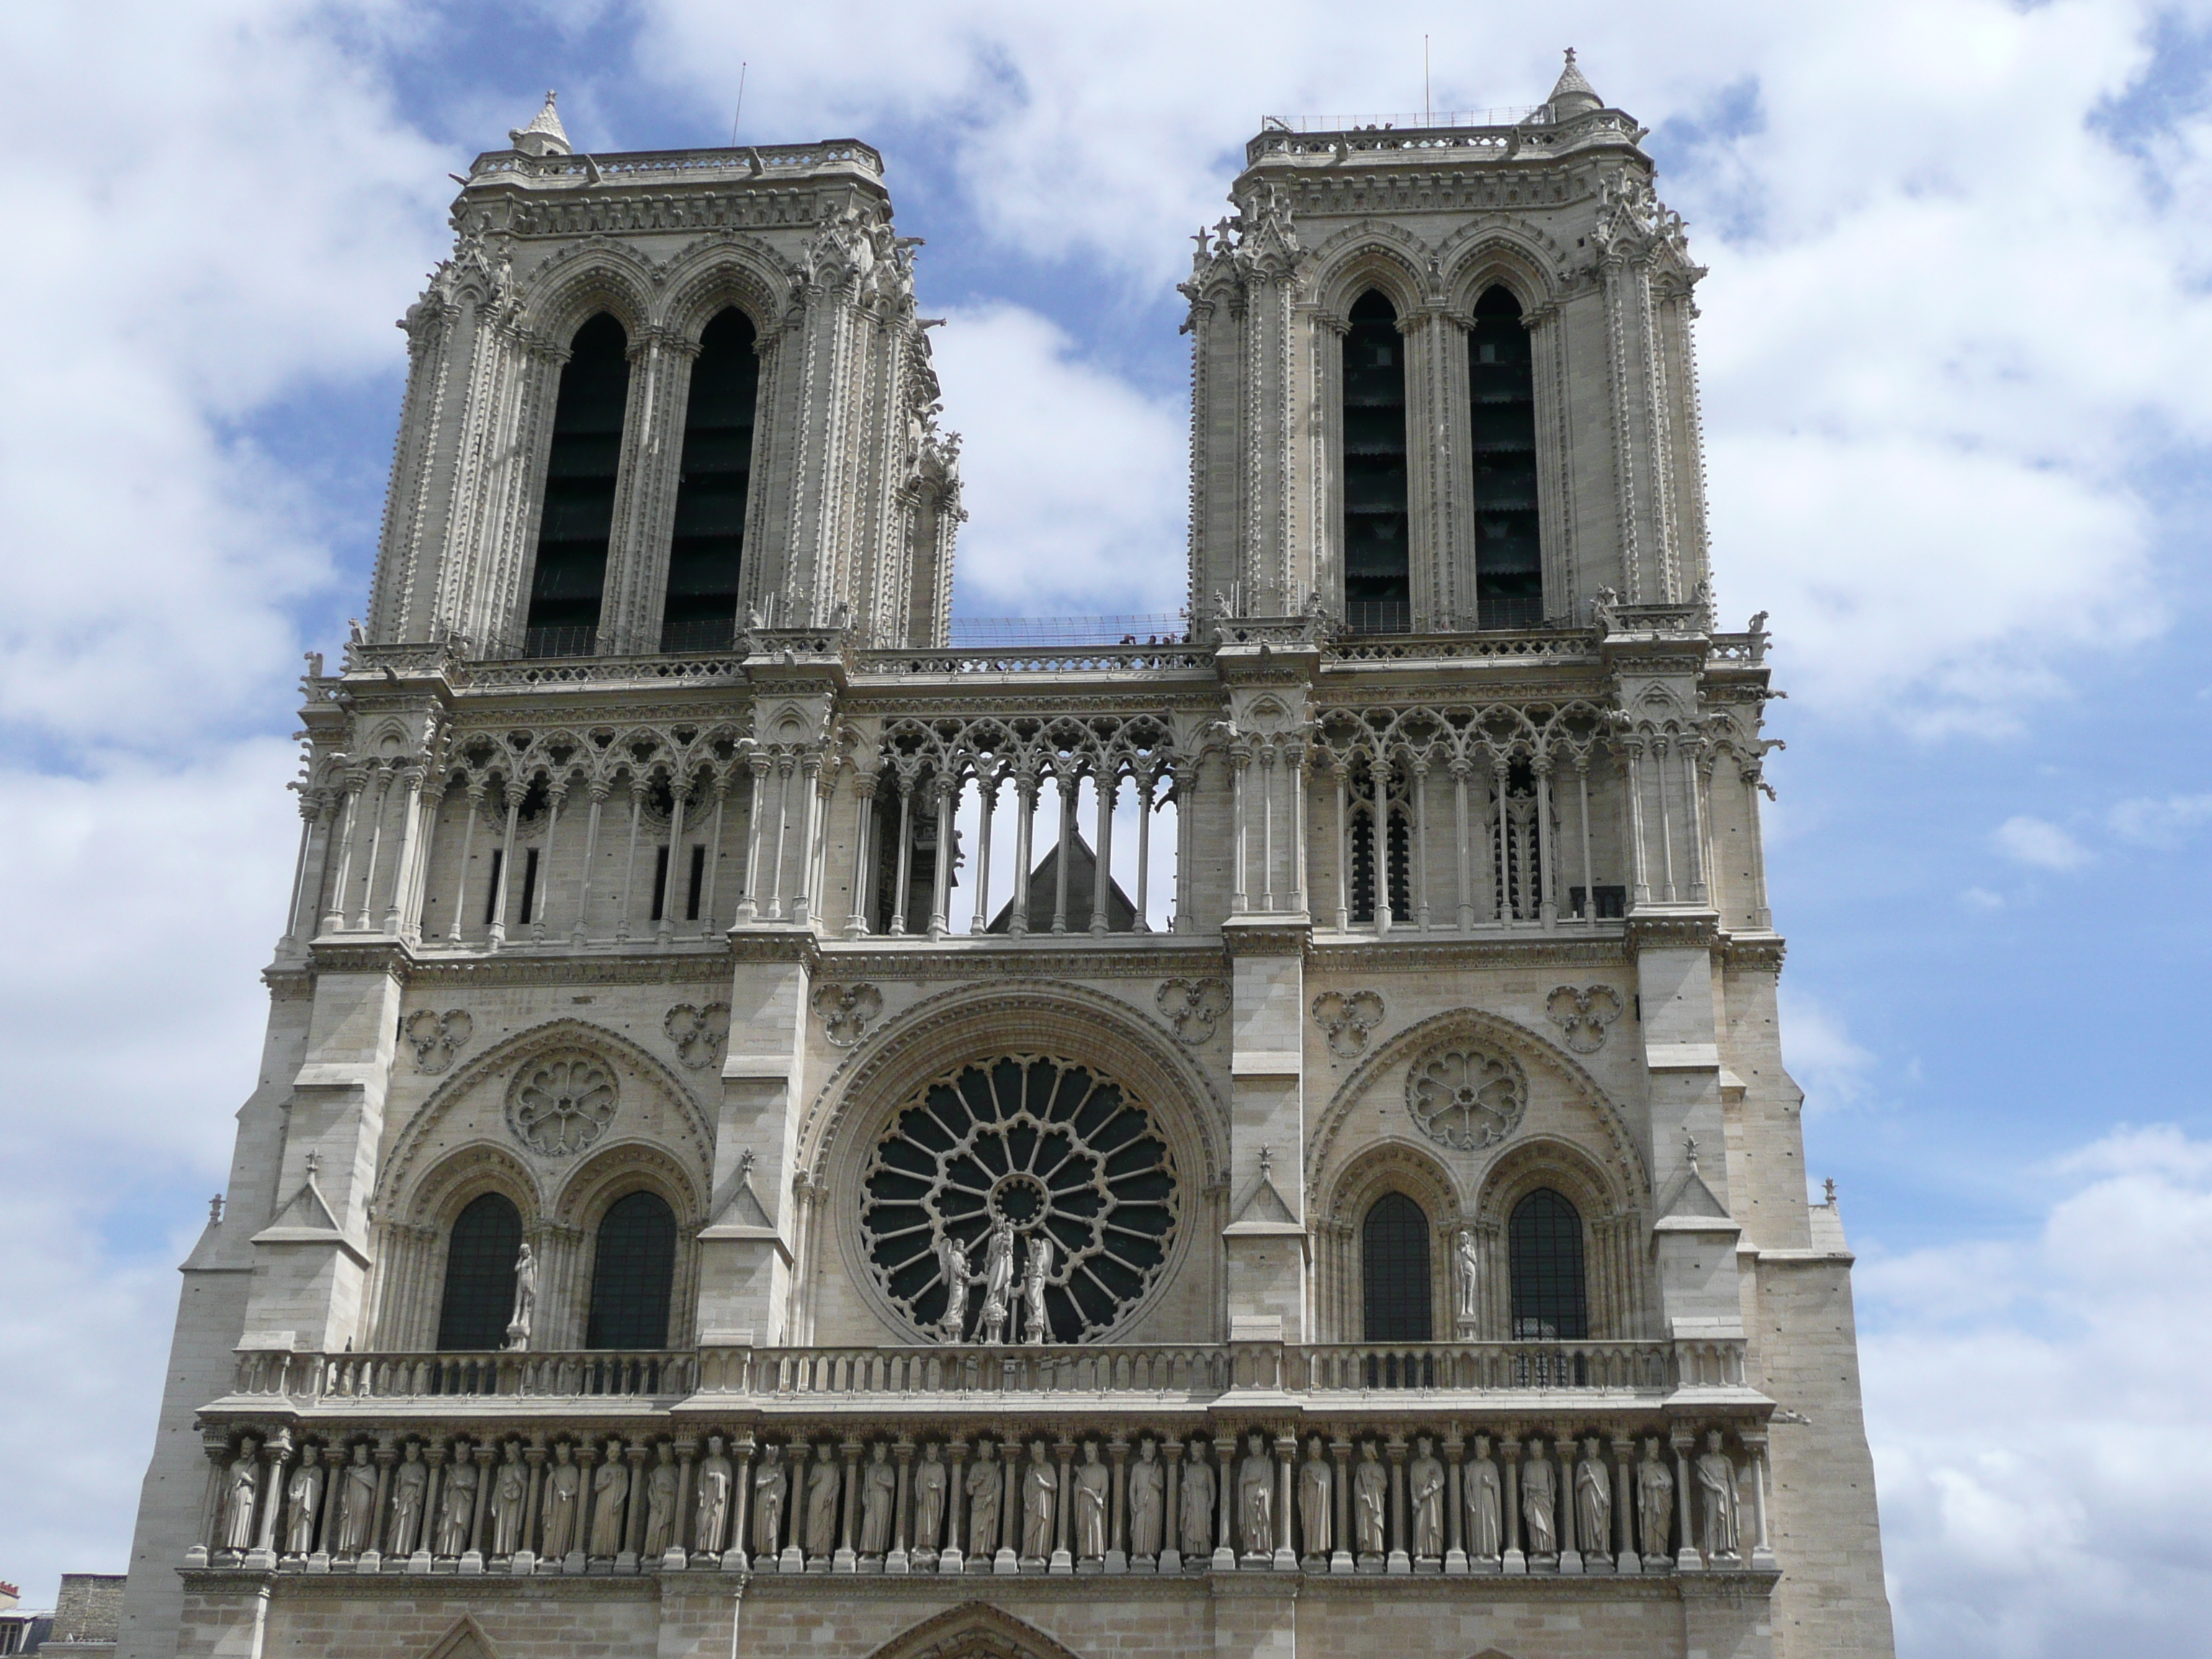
[678, 796]
[334, 1462]
[387, 1455]
[1267, 757]
[902, 873]
[1340, 1559]
[311, 811]
[1566, 1444]
[1455, 1545]
[864, 818]
[1639, 863]
[375, 848]
[1687, 1558]
[403, 869]
[1240, 761]
[758, 764]
[481, 1454]
[1171, 1521]
[498, 933]
[1117, 1518]
[949, 1558]
[1660, 769]
[627, 905]
[534, 1458]
[1067, 783]
[987, 791]
[738, 1551]
[1298, 769]
[812, 793]
[1343, 845]
[1011, 1453]
[1025, 794]
[940, 901]
[1762, 1549]
[1401, 1557]
[1421, 894]
[1547, 856]
[848, 1559]
[1063, 1559]
[597, 791]
[1459, 771]
[898, 1559]
[335, 902]
[1582, 800]
[541, 902]
[1380, 847]
[1143, 781]
[1225, 1548]
[784, 769]
[1286, 1559]
[1509, 1453]
[276, 1458]
[1624, 1498]
[1104, 787]
[714, 859]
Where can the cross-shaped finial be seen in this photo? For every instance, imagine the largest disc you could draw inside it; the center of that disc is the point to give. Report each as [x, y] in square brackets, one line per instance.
[746, 1159]
[215, 1209]
[315, 1163]
[1831, 1185]
[1690, 1151]
[1267, 1161]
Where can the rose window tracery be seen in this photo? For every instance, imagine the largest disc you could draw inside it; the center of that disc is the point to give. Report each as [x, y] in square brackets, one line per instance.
[560, 1104]
[1466, 1097]
[1015, 1185]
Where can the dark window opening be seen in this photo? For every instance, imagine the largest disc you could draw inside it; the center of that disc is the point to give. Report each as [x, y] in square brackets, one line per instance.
[1377, 581]
[1360, 889]
[1394, 1271]
[491, 888]
[707, 550]
[1544, 1241]
[659, 882]
[1612, 902]
[480, 1275]
[580, 468]
[1509, 577]
[698, 881]
[528, 884]
[633, 1272]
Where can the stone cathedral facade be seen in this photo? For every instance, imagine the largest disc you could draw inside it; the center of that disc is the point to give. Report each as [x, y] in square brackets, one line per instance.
[780, 1133]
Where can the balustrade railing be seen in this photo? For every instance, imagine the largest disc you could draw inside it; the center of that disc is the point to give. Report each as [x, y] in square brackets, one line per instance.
[1187, 1372]
[393, 1376]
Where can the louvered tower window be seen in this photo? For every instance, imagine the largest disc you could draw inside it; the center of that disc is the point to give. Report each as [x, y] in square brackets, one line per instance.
[705, 557]
[578, 521]
[633, 1272]
[1377, 586]
[1543, 1244]
[1509, 581]
[1394, 1271]
[480, 1255]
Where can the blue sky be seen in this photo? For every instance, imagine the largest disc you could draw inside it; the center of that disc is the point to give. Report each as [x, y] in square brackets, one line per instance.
[1957, 421]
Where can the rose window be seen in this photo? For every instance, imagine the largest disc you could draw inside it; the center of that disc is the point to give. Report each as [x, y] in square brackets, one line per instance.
[1465, 1097]
[560, 1104]
[1015, 1185]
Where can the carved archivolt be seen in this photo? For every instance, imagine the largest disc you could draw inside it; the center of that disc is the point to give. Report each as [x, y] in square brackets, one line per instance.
[562, 1103]
[975, 1630]
[1466, 1095]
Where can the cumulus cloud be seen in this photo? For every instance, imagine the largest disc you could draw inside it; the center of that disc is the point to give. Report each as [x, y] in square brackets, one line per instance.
[2040, 845]
[2053, 1514]
[1817, 1046]
[2164, 822]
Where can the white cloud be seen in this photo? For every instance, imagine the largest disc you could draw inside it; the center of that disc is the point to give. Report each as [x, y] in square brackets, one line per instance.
[1980, 898]
[2155, 823]
[1828, 1064]
[1071, 477]
[2034, 1406]
[2039, 844]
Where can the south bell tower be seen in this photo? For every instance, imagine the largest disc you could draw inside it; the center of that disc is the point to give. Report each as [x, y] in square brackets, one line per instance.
[772, 1124]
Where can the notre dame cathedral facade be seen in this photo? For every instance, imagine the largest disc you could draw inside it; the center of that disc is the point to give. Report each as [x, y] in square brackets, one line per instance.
[781, 1134]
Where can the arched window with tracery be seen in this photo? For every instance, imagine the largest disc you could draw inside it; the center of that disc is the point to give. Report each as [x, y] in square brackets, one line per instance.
[1508, 579]
[708, 547]
[633, 1272]
[1377, 576]
[1361, 852]
[576, 526]
[1544, 1245]
[479, 1293]
[1393, 1272]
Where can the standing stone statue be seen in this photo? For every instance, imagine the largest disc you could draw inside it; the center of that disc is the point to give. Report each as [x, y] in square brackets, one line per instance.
[564, 1491]
[660, 1503]
[1655, 1502]
[1038, 1271]
[712, 1481]
[303, 1496]
[409, 1482]
[822, 1483]
[1316, 1487]
[878, 1489]
[1197, 1530]
[983, 1484]
[356, 1504]
[242, 1493]
[1371, 1496]
[525, 1301]
[1425, 1478]
[610, 1488]
[1593, 1503]
[1470, 1279]
[1090, 1490]
[1147, 1500]
[457, 1504]
[1486, 1508]
[1255, 1497]
[998, 1281]
[1539, 1502]
[1040, 1499]
[1717, 1496]
[929, 1481]
[953, 1267]
[510, 1491]
[771, 1482]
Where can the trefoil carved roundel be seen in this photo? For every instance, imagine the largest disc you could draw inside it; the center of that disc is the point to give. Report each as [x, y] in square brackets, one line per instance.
[561, 1102]
[1017, 1184]
[1466, 1096]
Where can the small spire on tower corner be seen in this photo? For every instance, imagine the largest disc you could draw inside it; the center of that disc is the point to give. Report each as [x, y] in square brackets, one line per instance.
[1573, 95]
[545, 135]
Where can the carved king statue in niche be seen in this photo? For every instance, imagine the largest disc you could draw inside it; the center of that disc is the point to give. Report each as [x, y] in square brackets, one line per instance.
[303, 1496]
[1040, 1497]
[821, 1483]
[983, 1484]
[242, 1491]
[878, 1487]
[1539, 1502]
[711, 1484]
[1425, 1482]
[1486, 1510]
[1090, 1497]
[409, 1482]
[610, 1488]
[1147, 1500]
[1316, 1487]
[510, 1491]
[457, 1504]
[1370, 1494]
[1593, 1503]
[929, 1489]
[1655, 1503]
[1717, 1497]
[564, 1491]
[770, 1484]
[1255, 1497]
[1197, 1518]
[660, 1503]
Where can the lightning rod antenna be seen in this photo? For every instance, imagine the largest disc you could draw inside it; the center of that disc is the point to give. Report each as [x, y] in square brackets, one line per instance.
[742, 67]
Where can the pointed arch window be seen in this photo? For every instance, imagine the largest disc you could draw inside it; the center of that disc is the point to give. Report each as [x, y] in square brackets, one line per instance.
[1508, 579]
[480, 1255]
[577, 523]
[1378, 574]
[1394, 1271]
[633, 1272]
[1544, 1243]
[709, 547]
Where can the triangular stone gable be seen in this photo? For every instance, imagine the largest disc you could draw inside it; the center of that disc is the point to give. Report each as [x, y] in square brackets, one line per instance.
[1082, 877]
[974, 1630]
[465, 1640]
